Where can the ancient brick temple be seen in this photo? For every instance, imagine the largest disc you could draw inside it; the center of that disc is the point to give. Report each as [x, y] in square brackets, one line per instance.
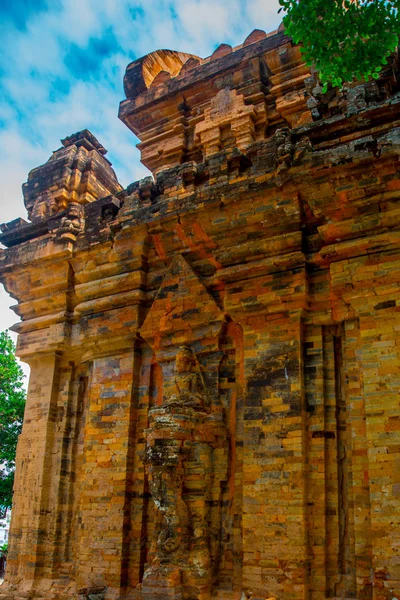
[213, 409]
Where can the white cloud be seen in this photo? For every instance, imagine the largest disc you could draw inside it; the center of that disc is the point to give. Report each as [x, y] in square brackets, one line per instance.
[264, 13]
[205, 21]
[79, 20]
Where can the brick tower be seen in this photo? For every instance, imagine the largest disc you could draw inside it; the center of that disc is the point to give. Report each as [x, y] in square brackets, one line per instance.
[213, 408]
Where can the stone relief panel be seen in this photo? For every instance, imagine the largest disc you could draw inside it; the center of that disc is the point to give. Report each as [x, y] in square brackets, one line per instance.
[189, 450]
[72, 224]
[227, 111]
[187, 461]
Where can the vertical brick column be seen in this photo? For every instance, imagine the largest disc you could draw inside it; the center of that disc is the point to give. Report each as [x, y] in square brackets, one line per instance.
[102, 508]
[359, 487]
[380, 355]
[274, 495]
[338, 492]
[319, 448]
[33, 514]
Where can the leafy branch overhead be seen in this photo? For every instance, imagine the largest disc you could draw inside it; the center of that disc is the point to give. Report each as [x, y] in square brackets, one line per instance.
[12, 403]
[344, 40]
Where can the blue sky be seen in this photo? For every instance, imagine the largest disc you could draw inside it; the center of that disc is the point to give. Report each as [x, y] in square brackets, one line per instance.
[61, 70]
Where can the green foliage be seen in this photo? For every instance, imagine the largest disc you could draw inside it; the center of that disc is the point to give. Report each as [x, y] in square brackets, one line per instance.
[12, 403]
[344, 40]
[4, 550]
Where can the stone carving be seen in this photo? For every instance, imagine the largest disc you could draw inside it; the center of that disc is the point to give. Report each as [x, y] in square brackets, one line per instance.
[283, 153]
[45, 206]
[227, 110]
[72, 224]
[182, 437]
[148, 191]
[302, 148]
[350, 100]
[110, 210]
[284, 146]
[186, 382]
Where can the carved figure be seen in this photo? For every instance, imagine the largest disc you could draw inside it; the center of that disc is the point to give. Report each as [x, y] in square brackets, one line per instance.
[284, 147]
[72, 224]
[187, 382]
[165, 487]
[181, 439]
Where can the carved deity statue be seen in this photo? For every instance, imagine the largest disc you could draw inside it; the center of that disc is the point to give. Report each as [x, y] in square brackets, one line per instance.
[181, 440]
[284, 145]
[72, 224]
[189, 391]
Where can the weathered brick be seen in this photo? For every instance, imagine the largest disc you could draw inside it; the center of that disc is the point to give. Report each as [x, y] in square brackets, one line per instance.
[215, 352]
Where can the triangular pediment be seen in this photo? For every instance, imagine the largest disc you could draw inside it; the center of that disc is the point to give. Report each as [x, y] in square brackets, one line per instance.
[183, 309]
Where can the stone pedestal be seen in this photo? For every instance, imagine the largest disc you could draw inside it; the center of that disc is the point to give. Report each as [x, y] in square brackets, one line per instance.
[162, 582]
[181, 441]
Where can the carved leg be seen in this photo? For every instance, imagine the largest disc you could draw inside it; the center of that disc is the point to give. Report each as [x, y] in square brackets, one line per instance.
[171, 533]
[197, 484]
[165, 486]
[163, 577]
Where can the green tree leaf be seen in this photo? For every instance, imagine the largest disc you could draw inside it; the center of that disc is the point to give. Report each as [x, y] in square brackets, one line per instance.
[344, 40]
[12, 404]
